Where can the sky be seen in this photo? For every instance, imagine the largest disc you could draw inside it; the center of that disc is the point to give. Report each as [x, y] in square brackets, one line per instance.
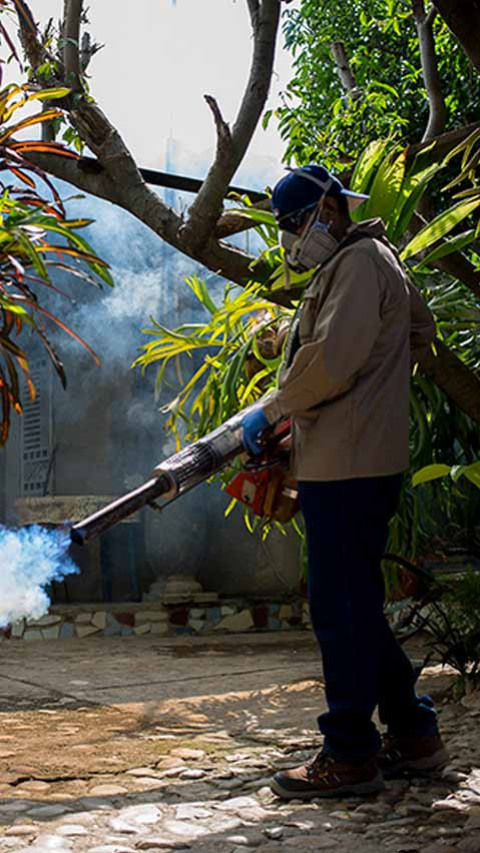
[160, 58]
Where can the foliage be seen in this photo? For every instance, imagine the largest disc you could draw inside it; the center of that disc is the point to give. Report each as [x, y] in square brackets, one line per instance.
[453, 622]
[455, 472]
[29, 222]
[234, 355]
[441, 517]
[319, 121]
[236, 352]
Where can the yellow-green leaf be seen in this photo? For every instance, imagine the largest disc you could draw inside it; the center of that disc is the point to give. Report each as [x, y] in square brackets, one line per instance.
[439, 227]
[430, 472]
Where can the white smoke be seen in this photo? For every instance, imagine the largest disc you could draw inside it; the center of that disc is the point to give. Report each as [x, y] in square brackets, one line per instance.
[30, 558]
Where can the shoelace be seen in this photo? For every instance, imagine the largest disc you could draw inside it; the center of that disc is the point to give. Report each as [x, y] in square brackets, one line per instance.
[319, 769]
[390, 749]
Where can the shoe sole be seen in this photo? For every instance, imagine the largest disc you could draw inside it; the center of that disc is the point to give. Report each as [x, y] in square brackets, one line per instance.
[358, 789]
[422, 766]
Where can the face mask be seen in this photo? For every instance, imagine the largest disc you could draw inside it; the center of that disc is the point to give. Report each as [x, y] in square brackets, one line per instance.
[315, 247]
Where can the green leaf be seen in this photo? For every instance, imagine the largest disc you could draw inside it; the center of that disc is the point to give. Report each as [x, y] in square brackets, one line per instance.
[366, 164]
[456, 244]
[472, 473]
[253, 213]
[386, 186]
[411, 192]
[266, 118]
[430, 472]
[439, 227]
[49, 94]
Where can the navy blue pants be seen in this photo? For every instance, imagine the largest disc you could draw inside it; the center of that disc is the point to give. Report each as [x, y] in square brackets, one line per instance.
[364, 667]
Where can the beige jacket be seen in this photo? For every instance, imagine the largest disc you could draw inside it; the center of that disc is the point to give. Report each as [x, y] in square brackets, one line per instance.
[361, 325]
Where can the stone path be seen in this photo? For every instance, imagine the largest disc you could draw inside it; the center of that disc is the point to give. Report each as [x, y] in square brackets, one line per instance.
[191, 771]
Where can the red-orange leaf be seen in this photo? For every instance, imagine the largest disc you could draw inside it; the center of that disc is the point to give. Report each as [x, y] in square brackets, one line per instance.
[45, 148]
[39, 118]
[23, 177]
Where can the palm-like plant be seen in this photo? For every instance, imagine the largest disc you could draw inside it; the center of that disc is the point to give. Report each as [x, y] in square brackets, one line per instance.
[29, 223]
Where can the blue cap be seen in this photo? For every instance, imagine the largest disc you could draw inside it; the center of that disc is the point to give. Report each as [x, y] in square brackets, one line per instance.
[303, 188]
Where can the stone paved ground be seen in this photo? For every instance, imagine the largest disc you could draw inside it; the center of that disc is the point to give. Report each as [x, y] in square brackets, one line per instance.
[127, 745]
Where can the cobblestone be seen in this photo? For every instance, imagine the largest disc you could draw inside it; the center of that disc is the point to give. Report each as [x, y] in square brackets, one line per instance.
[192, 771]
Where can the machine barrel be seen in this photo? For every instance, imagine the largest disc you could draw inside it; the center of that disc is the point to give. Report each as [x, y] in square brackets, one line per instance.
[109, 515]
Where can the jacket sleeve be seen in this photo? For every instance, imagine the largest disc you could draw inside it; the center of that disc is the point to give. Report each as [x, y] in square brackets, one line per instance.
[422, 324]
[346, 328]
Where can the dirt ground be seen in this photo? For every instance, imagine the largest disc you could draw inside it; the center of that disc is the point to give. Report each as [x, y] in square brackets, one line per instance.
[101, 704]
[93, 727]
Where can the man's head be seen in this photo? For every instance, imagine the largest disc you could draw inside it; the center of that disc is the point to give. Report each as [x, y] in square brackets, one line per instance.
[311, 188]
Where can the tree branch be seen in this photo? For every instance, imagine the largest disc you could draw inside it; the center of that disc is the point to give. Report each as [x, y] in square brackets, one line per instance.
[443, 143]
[28, 34]
[254, 11]
[462, 17]
[453, 377]
[345, 73]
[206, 209]
[455, 264]
[431, 77]
[232, 222]
[71, 43]
[87, 50]
[148, 207]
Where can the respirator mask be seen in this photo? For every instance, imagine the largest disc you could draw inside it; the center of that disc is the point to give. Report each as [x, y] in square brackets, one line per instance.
[313, 247]
[311, 250]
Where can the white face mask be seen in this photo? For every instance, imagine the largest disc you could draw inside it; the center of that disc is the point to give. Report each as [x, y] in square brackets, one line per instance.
[310, 250]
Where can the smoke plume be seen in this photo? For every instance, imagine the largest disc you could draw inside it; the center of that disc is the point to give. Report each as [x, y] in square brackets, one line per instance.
[30, 559]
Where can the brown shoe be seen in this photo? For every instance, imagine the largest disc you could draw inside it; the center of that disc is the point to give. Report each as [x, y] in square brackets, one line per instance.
[401, 755]
[323, 776]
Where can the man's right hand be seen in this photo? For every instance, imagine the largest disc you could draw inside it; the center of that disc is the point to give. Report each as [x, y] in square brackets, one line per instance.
[254, 425]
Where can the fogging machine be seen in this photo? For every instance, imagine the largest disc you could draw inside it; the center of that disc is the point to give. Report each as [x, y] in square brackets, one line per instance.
[264, 485]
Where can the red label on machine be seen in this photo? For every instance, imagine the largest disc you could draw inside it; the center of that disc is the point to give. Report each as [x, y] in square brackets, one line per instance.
[250, 488]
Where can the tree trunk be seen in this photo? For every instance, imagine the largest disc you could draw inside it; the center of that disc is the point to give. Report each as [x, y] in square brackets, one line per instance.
[463, 19]
[454, 378]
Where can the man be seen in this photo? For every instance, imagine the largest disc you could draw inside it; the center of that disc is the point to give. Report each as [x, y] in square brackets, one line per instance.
[346, 387]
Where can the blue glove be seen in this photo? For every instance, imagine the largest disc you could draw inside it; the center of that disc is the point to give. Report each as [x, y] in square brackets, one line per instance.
[253, 425]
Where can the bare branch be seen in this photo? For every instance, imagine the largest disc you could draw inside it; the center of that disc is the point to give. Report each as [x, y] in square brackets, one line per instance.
[89, 176]
[418, 9]
[431, 77]
[87, 50]
[254, 10]
[47, 131]
[224, 137]
[207, 207]
[345, 73]
[28, 34]
[71, 43]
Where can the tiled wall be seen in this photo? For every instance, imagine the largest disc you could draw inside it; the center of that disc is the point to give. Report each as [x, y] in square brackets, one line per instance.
[193, 617]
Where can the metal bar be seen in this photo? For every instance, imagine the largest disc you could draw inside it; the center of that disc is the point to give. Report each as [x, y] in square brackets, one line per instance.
[181, 182]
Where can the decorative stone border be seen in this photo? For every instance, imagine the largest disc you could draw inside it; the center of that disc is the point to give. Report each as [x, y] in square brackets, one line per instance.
[65, 622]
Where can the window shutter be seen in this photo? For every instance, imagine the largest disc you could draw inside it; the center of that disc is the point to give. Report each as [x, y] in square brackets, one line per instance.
[37, 432]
